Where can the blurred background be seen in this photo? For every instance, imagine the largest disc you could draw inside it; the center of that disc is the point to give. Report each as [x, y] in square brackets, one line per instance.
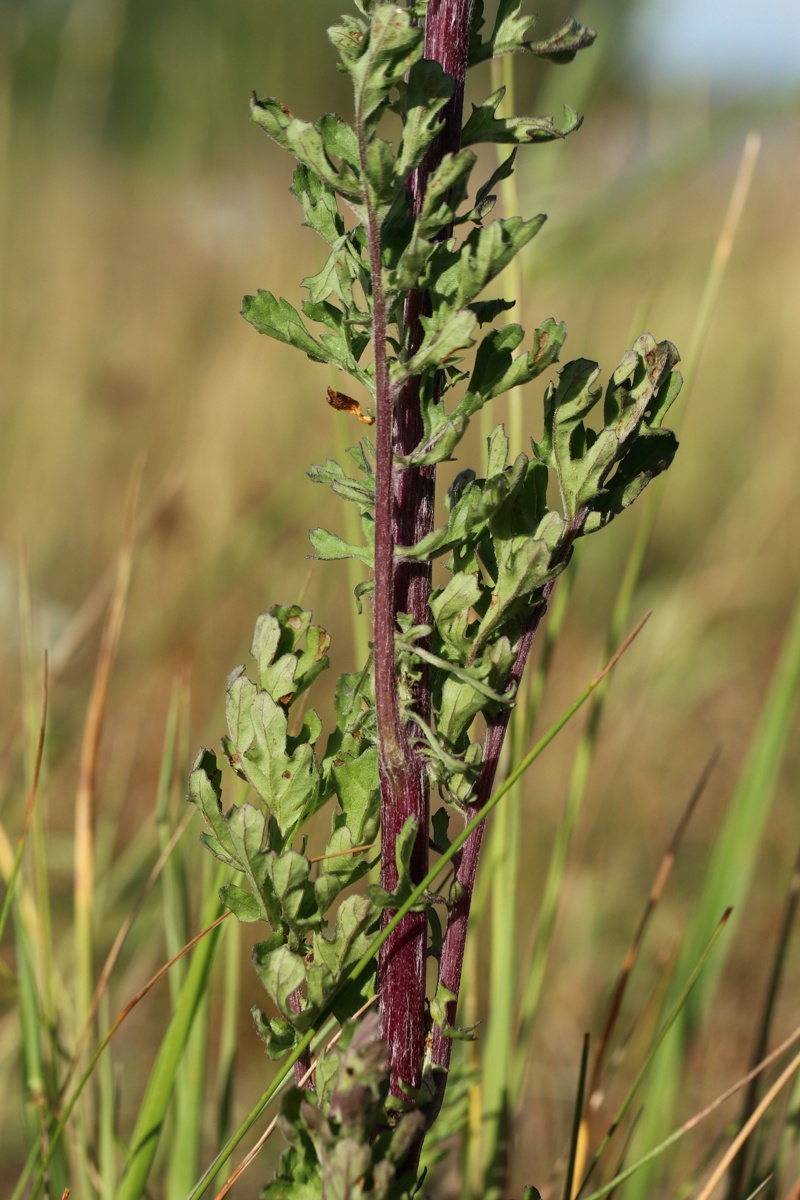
[138, 205]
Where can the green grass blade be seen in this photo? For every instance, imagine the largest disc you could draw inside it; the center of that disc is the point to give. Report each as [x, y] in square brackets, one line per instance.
[228, 1034]
[727, 880]
[153, 1109]
[577, 1117]
[673, 1016]
[736, 1178]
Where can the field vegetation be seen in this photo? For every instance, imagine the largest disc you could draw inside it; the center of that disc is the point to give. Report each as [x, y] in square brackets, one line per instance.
[153, 503]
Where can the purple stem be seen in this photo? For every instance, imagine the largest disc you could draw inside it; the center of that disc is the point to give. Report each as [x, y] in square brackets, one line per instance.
[404, 515]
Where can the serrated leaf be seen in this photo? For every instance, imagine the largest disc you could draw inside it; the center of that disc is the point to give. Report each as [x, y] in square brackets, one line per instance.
[341, 866]
[508, 37]
[524, 566]
[381, 177]
[477, 503]
[447, 332]
[330, 546]
[205, 792]
[504, 171]
[652, 453]
[277, 319]
[289, 874]
[458, 276]
[244, 905]
[640, 390]
[343, 341]
[282, 972]
[320, 207]
[287, 783]
[450, 607]
[247, 826]
[286, 666]
[427, 91]
[334, 954]
[339, 140]
[307, 143]
[494, 373]
[359, 491]
[358, 787]
[484, 126]
[381, 60]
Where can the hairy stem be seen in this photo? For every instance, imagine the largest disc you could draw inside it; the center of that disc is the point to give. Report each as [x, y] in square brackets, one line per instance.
[404, 515]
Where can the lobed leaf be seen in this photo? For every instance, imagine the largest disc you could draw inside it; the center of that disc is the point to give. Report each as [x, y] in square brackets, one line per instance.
[484, 126]
[313, 145]
[510, 27]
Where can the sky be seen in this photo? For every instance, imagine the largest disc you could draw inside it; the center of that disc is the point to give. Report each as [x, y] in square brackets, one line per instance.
[738, 43]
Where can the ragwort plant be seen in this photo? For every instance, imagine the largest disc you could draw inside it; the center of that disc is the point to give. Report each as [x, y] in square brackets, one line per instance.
[398, 306]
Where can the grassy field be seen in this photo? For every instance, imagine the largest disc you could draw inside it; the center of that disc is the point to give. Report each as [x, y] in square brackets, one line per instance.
[138, 207]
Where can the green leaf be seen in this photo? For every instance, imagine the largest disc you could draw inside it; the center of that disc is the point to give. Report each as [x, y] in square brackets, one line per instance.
[341, 866]
[320, 207]
[508, 36]
[439, 1003]
[403, 850]
[359, 491]
[277, 319]
[524, 565]
[457, 701]
[381, 178]
[484, 126]
[244, 905]
[343, 342]
[289, 652]
[450, 607]
[380, 60]
[504, 171]
[356, 920]
[358, 788]
[427, 92]
[282, 972]
[287, 783]
[640, 392]
[248, 831]
[205, 792]
[509, 28]
[447, 332]
[458, 276]
[651, 453]
[330, 546]
[279, 1038]
[477, 502]
[289, 874]
[311, 145]
[494, 373]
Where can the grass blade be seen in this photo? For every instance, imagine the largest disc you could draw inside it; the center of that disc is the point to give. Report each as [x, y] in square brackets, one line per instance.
[693, 1122]
[576, 1121]
[662, 1034]
[728, 876]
